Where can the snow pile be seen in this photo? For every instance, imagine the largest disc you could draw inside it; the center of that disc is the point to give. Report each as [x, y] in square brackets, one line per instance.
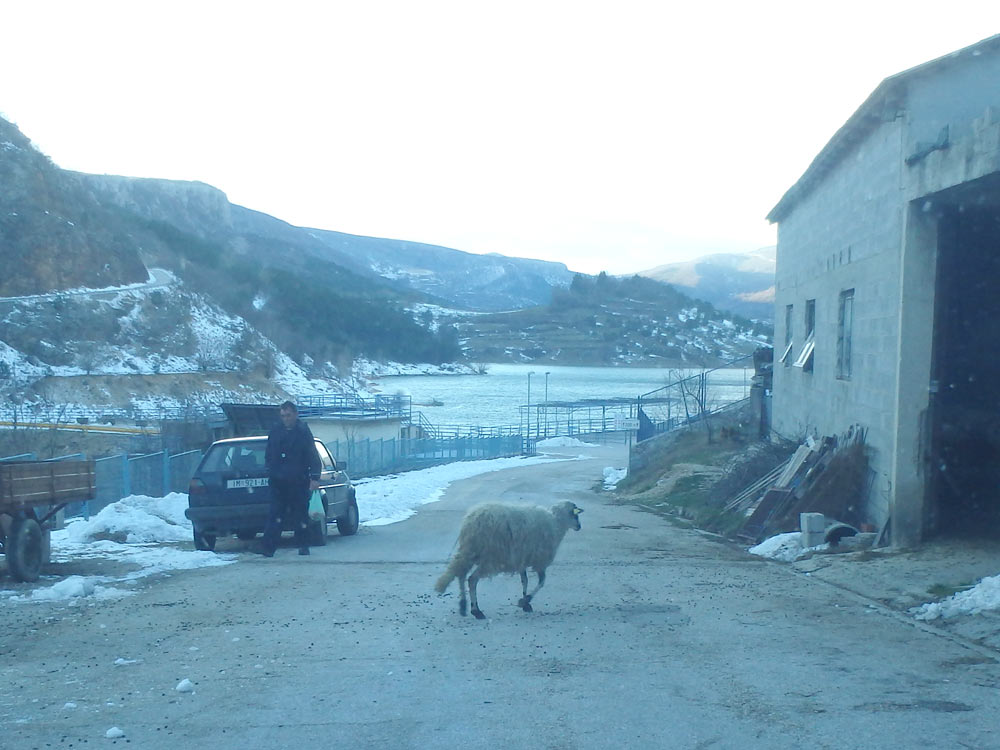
[982, 597]
[785, 547]
[613, 476]
[385, 500]
[74, 587]
[136, 519]
[146, 525]
[564, 442]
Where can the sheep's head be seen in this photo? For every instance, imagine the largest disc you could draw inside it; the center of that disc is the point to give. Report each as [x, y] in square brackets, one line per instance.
[568, 513]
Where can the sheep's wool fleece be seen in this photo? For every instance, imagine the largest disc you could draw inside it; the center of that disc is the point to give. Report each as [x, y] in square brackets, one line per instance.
[510, 538]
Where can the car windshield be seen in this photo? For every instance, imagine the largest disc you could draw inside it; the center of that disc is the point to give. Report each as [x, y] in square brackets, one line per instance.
[242, 457]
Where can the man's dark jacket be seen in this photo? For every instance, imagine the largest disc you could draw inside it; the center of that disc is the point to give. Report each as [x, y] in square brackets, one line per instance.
[291, 453]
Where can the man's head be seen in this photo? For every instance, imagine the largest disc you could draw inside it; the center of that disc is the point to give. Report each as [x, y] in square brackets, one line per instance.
[289, 413]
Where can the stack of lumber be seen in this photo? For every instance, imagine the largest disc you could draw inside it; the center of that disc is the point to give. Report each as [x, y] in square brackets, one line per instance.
[768, 502]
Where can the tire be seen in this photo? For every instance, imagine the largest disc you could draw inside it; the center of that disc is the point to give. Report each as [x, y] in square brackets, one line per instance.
[246, 536]
[319, 531]
[347, 524]
[204, 542]
[24, 549]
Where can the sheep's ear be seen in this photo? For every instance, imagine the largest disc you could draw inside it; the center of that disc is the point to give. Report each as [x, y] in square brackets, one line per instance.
[577, 511]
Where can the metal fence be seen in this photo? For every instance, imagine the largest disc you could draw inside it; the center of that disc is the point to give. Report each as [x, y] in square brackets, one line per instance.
[365, 458]
[690, 399]
[157, 474]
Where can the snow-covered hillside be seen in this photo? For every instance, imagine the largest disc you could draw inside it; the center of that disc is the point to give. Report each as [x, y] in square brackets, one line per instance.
[57, 343]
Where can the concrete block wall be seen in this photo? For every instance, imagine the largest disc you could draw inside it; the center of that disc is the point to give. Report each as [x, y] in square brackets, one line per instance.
[846, 234]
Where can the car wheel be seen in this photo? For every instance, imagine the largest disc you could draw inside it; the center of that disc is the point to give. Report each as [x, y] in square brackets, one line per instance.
[24, 549]
[318, 531]
[347, 524]
[204, 542]
[246, 536]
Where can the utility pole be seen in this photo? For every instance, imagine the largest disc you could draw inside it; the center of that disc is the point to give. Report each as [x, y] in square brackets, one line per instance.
[529, 402]
[546, 404]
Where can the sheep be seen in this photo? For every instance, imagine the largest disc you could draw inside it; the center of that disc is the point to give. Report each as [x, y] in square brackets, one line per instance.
[497, 538]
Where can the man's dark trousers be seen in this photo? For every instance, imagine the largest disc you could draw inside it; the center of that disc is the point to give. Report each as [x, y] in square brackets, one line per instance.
[289, 499]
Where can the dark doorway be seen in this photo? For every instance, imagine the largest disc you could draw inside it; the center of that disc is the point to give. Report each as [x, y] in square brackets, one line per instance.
[965, 417]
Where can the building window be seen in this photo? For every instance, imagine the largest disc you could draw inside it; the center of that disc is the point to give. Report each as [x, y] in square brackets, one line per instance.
[805, 359]
[845, 325]
[786, 358]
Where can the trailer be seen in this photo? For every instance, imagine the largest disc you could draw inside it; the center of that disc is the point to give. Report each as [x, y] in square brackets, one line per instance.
[31, 495]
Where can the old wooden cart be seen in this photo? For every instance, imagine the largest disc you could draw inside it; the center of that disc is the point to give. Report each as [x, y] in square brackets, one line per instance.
[31, 495]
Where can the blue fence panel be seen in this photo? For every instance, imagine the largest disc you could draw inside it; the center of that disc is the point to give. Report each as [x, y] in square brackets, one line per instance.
[147, 474]
[112, 481]
[157, 474]
[182, 466]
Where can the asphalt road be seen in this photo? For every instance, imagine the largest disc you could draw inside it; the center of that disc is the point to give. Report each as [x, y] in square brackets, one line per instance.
[645, 636]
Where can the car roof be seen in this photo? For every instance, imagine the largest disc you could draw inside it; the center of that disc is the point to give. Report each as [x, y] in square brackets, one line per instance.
[227, 441]
[247, 439]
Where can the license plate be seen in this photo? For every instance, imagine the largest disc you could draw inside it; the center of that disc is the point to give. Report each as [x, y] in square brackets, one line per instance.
[235, 484]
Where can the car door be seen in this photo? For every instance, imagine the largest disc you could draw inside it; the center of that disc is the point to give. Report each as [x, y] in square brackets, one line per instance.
[332, 482]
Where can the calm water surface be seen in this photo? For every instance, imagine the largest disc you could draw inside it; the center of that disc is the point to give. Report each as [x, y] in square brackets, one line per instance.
[493, 399]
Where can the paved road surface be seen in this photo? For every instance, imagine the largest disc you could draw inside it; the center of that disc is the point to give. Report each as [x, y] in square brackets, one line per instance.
[645, 636]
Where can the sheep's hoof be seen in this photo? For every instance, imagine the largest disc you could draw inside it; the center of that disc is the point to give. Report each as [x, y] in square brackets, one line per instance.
[525, 603]
[479, 614]
[461, 607]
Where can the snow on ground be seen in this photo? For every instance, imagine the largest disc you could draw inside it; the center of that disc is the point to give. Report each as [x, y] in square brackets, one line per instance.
[982, 597]
[145, 531]
[613, 476]
[785, 547]
[388, 499]
[154, 276]
[564, 442]
[138, 530]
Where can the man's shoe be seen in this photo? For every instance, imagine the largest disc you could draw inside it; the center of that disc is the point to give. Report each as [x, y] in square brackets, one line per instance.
[261, 549]
[303, 550]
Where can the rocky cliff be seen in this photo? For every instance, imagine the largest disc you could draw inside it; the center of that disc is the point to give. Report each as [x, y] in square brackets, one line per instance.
[54, 235]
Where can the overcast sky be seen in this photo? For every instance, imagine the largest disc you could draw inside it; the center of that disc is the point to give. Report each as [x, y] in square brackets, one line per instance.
[610, 136]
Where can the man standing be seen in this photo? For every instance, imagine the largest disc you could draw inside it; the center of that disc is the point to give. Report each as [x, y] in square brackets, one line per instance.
[293, 469]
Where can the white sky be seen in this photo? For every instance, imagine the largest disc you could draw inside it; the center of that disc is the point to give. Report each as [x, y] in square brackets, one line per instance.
[608, 135]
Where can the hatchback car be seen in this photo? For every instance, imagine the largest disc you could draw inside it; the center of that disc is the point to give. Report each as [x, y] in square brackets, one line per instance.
[229, 494]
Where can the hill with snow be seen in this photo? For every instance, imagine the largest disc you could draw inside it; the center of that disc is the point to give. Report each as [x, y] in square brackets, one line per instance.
[742, 283]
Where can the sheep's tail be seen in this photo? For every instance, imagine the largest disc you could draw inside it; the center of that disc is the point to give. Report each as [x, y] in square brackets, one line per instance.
[459, 564]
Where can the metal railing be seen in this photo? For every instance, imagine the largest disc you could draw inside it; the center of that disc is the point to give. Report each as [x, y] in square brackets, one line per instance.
[377, 407]
[690, 399]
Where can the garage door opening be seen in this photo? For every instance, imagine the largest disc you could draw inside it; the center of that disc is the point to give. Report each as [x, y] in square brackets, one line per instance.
[965, 417]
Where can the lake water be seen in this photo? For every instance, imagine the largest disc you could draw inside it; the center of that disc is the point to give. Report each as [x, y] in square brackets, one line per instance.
[494, 399]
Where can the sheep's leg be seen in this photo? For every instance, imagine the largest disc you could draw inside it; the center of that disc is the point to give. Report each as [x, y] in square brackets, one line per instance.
[525, 602]
[473, 580]
[461, 595]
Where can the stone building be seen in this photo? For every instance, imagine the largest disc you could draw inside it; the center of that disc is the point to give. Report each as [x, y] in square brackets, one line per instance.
[888, 295]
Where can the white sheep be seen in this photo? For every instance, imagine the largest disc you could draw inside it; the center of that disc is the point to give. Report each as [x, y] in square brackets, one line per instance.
[497, 538]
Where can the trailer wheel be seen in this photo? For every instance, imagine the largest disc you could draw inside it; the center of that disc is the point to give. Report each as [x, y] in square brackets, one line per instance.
[24, 549]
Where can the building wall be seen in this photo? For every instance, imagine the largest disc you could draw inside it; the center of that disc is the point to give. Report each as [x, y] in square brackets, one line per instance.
[846, 234]
[953, 95]
[330, 430]
[870, 225]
